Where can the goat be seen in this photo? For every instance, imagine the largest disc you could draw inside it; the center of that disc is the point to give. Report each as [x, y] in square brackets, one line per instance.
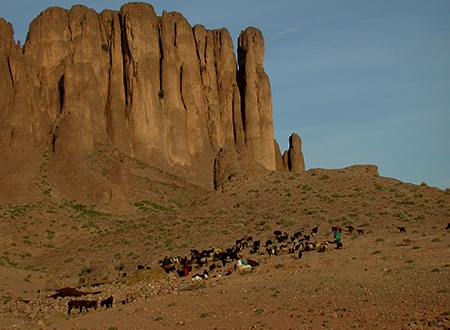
[407, 241]
[139, 267]
[222, 256]
[271, 250]
[268, 242]
[360, 231]
[80, 304]
[322, 247]
[284, 248]
[254, 249]
[310, 247]
[199, 277]
[339, 245]
[350, 229]
[402, 229]
[315, 230]
[299, 246]
[277, 233]
[284, 237]
[212, 267]
[108, 302]
[448, 226]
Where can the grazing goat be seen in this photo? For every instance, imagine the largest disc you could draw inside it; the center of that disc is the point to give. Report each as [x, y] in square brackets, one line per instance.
[255, 247]
[108, 302]
[282, 238]
[277, 233]
[139, 267]
[80, 304]
[360, 231]
[350, 229]
[402, 229]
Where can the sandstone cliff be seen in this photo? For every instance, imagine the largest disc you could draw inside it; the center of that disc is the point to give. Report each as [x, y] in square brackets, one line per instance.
[92, 101]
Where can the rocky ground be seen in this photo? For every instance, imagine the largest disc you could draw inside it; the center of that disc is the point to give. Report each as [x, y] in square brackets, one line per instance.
[381, 279]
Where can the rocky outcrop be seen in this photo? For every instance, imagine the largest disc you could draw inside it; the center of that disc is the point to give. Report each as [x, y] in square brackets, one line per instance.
[293, 157]
[136, 88]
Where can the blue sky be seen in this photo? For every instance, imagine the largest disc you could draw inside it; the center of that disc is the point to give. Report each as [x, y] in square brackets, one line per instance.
[361, 81]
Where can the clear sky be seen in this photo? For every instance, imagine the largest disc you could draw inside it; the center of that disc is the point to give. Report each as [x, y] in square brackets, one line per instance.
[361, 81]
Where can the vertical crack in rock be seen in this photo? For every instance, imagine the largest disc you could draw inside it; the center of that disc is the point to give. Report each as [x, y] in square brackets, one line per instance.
[107, 109]
[126, 55]
[11, 76]
[240, 78]
[181, 89]
[61, 92]
[175, 35]
[161, 58]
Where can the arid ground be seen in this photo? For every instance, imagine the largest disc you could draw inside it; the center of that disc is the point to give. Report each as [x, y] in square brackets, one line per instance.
[381, 279]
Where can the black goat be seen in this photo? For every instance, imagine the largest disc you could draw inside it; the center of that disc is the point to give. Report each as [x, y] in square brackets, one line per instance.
[108, 302]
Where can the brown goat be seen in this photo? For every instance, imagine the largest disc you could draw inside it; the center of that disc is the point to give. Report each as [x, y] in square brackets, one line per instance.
[80, 304]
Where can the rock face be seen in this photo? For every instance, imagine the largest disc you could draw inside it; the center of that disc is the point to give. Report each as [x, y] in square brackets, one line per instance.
[135, 88]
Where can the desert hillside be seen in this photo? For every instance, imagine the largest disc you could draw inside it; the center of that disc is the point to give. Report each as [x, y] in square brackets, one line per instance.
[382, 277]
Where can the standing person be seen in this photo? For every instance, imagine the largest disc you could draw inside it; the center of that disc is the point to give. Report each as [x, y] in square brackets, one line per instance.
[166, 264]
[186, 267]
[337, 235]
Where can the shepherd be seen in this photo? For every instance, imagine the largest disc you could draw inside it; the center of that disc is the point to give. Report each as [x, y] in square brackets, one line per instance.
[337, 235]
[166, 264]
[186, 267]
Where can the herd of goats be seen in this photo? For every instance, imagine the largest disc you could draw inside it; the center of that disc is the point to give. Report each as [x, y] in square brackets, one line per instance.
[210, 259]
[279, 243]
